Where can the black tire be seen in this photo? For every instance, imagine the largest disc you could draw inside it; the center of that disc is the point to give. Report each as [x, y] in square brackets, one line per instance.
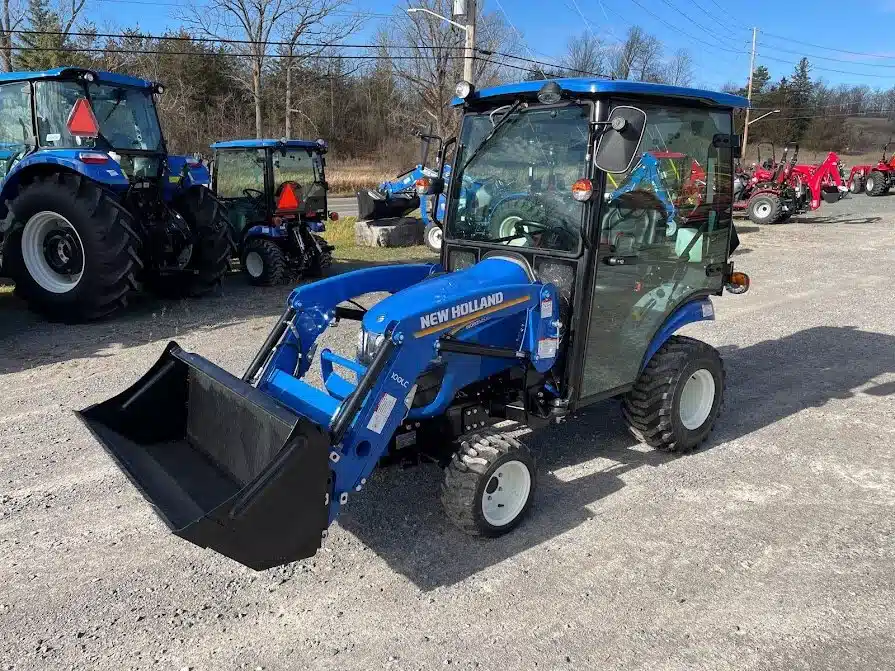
[321, 257]
[109, 248]
[876, 183]
[274, 269]
[653, 407]
[212, 246]
[471, 476]
[857, 185]
[521, 209]
[764, 209]
[433, 235]
[831, 196]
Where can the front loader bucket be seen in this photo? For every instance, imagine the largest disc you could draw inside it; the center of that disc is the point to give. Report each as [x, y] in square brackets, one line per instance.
[372, 205]
[224, 465]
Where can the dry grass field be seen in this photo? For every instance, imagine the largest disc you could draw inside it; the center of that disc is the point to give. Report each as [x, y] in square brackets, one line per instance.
[347, 177]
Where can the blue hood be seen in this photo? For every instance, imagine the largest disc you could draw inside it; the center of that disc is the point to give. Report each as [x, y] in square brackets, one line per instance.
[440, 291]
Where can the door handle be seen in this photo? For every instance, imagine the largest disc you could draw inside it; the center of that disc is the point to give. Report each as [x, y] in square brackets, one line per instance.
[619, 260]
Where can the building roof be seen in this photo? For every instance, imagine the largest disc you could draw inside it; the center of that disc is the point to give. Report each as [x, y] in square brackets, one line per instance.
[56, 73]
[260, 144]
[595, 86]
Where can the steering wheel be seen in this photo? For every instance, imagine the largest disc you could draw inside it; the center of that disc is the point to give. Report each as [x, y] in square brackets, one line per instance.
[255, 195]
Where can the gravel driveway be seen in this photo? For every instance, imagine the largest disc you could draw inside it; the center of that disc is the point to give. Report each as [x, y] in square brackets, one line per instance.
[772, 548]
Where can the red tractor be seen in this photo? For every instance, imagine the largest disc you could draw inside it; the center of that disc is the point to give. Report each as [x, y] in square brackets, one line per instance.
[874, 180]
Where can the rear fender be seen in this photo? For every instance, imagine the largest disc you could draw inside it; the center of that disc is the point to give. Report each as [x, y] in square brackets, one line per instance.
[184, 172]
[270, 232]
[45, 162]
[700, 309]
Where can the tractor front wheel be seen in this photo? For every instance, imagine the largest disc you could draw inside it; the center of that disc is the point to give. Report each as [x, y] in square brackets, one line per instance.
[264, 263]
[72, 252]
[857, 185]
[434, 237]
[489, 483]
[764, 209]
[677, 398]
[876, 184]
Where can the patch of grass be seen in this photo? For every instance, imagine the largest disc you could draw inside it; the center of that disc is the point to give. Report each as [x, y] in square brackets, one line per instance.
[347, 177]
[6, 289]
[341, 234]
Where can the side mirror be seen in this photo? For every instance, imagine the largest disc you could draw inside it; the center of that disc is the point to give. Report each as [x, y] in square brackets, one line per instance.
[620, 142]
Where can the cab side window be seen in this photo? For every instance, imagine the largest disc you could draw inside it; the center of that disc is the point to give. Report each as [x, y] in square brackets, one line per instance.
[15, 123]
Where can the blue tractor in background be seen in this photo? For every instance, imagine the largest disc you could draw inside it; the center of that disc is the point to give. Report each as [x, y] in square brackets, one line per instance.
[398, 197]
[531, 318]
[93, 205]
[276, 197]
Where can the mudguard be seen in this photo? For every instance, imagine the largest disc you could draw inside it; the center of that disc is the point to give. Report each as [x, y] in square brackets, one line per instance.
[700, 309]
[106, 172]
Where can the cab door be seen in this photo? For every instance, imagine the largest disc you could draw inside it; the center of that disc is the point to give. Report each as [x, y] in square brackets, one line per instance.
[240, 180]
[663, 237]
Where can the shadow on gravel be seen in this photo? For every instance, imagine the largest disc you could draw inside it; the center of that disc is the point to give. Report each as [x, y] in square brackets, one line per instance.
[399, 516]
[809, 218]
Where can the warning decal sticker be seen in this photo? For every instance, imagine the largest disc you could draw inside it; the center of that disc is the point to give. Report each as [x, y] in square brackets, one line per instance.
[381, 413]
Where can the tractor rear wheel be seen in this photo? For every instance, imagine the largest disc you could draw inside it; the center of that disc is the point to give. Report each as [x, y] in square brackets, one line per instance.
[677, 398]
[321, 257]
[434, 237]
[72, 252]
[764, 209]
[857, 185]
[876, 183]
[264, 263]
[489, 483]
[212, 245]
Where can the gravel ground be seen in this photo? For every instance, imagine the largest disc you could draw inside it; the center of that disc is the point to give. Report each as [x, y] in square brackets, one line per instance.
[772, 548]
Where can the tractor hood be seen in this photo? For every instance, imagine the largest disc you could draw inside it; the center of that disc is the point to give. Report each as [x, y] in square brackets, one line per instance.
[436, 295]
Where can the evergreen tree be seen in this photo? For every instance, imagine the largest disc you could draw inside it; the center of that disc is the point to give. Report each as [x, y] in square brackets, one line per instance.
[41, 52]
[799, 100]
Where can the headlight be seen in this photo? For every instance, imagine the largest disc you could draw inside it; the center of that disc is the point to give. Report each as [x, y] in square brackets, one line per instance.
[367, 345]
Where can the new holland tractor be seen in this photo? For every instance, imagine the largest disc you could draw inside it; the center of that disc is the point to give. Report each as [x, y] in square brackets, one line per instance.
[398, 197]
[93, 204]
[276, 197]
[580, 299]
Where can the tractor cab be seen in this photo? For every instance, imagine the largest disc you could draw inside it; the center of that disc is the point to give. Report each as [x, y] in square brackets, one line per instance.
[276, 197]
[569, 265]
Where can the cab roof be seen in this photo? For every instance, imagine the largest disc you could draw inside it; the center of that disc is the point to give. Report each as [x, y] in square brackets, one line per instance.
[610, 86]
[67, 72]
[261, 144]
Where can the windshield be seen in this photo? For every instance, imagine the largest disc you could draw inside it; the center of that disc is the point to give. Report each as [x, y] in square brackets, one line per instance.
[126, 116]
[295, 165]
[516, 188]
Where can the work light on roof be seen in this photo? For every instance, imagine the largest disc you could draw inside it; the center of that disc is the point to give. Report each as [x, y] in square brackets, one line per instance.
[463, 90]
[88, 77]
[550, 93]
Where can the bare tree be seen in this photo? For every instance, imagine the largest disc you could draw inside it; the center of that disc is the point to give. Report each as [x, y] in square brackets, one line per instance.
[679, 70]
[429, 58]
[256, 23]
[13, 15]
[585, 54]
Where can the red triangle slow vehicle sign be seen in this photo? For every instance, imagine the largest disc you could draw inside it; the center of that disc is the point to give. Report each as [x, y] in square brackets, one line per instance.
[81, 122]
[288, 201]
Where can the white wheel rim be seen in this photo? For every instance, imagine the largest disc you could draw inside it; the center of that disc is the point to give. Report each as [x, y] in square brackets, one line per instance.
[506, 493]
[697, 399]
[763, 210]
[508, 227]
[435, 237]
[870, 184]
[48, 233]
[254, 264]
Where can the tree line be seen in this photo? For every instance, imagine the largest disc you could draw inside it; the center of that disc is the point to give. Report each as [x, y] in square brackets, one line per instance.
[819, 116]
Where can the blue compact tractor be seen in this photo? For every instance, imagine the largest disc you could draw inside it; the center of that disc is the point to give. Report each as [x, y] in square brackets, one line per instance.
[569, 293]
[93, 204]
[276, 197]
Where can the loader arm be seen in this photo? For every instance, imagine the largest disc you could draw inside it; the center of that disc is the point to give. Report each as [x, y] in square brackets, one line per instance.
[648, 170]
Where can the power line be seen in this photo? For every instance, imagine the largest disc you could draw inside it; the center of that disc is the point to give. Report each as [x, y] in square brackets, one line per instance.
[826, 58]
[707, 31]
[818, 46]
[518, 34]
[697, 40]
[817, 67]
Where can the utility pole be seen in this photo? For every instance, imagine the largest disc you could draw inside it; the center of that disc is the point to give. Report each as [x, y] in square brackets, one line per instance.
[469, 53]
[749, 94]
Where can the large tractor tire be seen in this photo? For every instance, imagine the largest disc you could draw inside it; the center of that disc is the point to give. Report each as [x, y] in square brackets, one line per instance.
[857, 185]
[73, 250]
[489, 483]
[212, 248]
[764, 209]
[506, 215]
[264, 263]
[677, 398]
[876, 184]
[434, 237]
